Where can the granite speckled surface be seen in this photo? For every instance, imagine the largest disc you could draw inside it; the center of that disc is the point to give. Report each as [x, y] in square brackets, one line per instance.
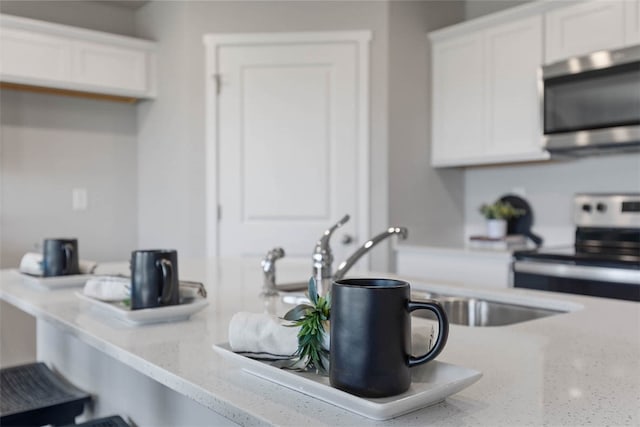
[577, 368]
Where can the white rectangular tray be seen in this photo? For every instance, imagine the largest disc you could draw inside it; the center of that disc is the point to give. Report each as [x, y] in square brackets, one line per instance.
[56, 282]
[170, 313]
[431, 383]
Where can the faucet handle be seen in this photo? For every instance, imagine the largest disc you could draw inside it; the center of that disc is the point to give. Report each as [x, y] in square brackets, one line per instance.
[268, 262]
[269, 269]
[323, 242]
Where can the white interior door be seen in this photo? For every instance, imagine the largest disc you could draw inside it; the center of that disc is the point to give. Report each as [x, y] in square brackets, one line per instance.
[291, 145]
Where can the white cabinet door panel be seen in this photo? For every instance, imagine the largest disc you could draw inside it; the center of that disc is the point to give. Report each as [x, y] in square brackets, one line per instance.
[458, 99]
[632, 22]
[584, 28]
[109, 66]
[29, 55]
[514, 52]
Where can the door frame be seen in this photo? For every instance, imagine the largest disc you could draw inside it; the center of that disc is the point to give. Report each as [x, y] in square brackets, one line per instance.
[213, 42]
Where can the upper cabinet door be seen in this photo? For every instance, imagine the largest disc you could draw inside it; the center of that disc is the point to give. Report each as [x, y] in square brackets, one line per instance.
[28, 55]
[632, 23]
[110, 67]
[584, 28]
[513, 54]
[459, 122]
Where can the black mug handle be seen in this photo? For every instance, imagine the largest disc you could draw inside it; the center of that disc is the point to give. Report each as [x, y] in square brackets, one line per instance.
[443, 330]
[67, 248]
[167, 280]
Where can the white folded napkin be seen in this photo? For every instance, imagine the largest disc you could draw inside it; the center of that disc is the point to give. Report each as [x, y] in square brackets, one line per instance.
[108, 288]
[31, 263]
[118, 288]
[264, 336]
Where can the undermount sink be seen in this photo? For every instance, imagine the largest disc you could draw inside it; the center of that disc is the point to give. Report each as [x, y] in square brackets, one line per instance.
[469, 311]
[466, 311]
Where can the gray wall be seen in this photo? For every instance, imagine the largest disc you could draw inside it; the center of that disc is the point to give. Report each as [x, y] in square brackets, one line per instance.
[429, 202]
[85, 14]
[51, 144]
[171, 129]
[477, 8]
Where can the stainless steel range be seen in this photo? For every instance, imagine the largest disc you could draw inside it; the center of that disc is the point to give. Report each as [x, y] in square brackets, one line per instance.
[605, 258]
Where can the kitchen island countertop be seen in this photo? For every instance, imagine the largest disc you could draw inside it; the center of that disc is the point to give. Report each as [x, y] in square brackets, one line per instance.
[576, 368]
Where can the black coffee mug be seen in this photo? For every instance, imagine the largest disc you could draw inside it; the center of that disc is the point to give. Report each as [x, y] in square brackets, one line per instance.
[60, 257]
[371, 336]
[154, 278]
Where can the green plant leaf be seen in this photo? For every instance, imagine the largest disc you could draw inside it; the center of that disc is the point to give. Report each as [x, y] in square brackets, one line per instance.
[500, 210]
[312, 320]
[298, 312]
[313, 291]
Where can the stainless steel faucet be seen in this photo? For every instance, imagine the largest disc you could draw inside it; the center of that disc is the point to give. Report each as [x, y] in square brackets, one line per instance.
[322, 257]
[269, 269]
[346, 265]
[322, 260]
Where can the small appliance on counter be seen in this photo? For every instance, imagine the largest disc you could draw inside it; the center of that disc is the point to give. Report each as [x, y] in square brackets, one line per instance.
[605, 258]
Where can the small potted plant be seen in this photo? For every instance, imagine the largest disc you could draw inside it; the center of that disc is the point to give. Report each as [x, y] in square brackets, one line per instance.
[497, 215]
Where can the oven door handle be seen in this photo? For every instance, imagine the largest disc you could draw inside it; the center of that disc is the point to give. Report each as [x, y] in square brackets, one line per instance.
[600, 274]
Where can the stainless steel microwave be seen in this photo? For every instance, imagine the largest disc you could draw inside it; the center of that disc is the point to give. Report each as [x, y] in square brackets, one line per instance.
[591, 104]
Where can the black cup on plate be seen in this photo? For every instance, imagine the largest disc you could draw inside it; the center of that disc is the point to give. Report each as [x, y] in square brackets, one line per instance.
[60, 257]
[154, 278]
[371, 336]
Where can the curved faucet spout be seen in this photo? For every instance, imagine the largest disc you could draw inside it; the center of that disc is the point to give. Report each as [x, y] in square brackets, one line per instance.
[346, 265]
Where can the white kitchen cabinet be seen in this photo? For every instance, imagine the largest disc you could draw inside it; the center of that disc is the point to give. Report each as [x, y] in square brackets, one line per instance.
[513, 55]
[36, 54]
[485, 94]
[458, 98]
[467, 267]
[586, 27]
[632, 22]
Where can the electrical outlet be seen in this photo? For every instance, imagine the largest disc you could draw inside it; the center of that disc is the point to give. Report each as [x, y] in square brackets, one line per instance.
[79, 199]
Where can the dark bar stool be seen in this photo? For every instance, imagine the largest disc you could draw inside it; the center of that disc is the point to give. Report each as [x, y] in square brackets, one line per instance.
[33, 395]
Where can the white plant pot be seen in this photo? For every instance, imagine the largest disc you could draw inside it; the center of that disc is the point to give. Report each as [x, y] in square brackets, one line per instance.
[496, 228]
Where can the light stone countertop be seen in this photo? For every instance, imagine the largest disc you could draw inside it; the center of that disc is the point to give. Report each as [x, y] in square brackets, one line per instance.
[577, 368]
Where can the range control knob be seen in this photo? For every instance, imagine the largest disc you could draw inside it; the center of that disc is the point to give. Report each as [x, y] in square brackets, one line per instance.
[601, 207]
[586, 207]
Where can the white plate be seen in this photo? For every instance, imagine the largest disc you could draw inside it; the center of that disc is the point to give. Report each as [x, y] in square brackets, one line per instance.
[56, 282]
[431, 383]
[170, 313]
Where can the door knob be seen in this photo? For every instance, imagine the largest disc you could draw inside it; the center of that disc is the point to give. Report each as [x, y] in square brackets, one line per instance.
[347, 239]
